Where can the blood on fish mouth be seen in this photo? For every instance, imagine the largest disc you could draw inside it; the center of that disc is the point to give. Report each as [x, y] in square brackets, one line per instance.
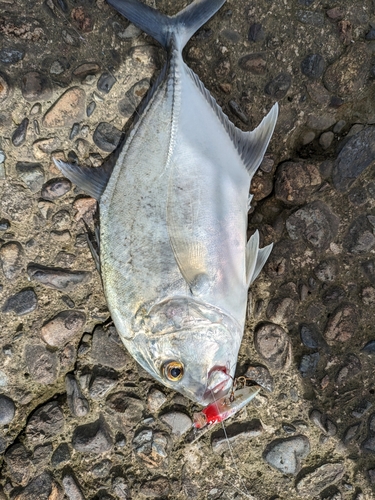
[219, 382]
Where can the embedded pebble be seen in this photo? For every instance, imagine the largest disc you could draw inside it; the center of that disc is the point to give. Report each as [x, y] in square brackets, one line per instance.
[107, 137]
[351, 433]
[94, 437]
[130, 408]
[102, 381]
[254, 63]
[177, 421]
[256, 33]
[60, 455]
[45, 423]
[155, 400]
[369, 348]
[285, 455]
[90, 108]
[311, 18]
[21, 303]
[19, 464]
[86, 209]
[32, 174]
[326, 270]
[107, 348]
[56, 68]
[72, 488]
[11, 259]
[155, 488]
[86, 69]
[319, 479]
[237, 435]
[67, 110]
[311, 337]
[295, 181]
[314, 223]
[261, 376]
[19, 135]
[309, 364]
[350, 369]
[4, 89]
[273, 345]
[368, 267]
[106, 82]
[322, 121]
[279, 86]
[359, 237]
[326, 139]
[55, 188]
[41, 363]
[313, 66]
[120, 488]
[63, 328]
[151, 447]
[101, 469]
[280, 309]
[82, 19]
[238, 111]
[323, 423]
[44, 147]
[36, 87]
[61, 220]
[348, 74]
[40, 488]
[60, 279]
[342, 324]
[261, 186]
[7, 410]
[11, 56]
[42, 454]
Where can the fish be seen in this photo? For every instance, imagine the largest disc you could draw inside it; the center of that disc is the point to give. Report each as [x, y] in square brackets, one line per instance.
[174, 258]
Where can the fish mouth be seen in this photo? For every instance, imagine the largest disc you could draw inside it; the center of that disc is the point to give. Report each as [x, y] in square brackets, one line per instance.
[219, 382]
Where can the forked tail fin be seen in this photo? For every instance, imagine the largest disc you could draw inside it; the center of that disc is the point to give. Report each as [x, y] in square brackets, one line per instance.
[161, 27]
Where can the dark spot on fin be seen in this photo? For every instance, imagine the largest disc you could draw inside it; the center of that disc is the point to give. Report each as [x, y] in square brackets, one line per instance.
[92, 181]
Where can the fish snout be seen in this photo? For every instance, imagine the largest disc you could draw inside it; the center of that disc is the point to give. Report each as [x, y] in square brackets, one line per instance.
[219, 382]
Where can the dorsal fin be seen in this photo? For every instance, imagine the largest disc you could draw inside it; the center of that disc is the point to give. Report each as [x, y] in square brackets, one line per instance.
[251, 146]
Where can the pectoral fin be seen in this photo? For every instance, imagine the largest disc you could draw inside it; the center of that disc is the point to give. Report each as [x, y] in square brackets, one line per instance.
[255, 258]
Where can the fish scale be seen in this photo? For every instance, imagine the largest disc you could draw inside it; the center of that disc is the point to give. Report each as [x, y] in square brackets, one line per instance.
[175, 261]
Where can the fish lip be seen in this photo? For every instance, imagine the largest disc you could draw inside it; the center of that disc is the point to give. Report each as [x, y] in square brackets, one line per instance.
[221, 388]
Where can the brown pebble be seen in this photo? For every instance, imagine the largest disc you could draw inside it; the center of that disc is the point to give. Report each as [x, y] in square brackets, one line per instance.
[295, 181]
[44, 147]
[342, 324]
[261, 186]
[63, 328]
[82, 19]
[273, 345]
[67, 110]
[86, 69]
[86, 208]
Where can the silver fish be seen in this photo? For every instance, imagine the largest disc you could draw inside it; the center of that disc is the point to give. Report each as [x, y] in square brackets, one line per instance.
[175, 261]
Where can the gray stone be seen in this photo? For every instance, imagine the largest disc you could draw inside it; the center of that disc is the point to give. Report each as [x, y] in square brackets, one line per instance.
[107, 137]
[311, 337]
[60, 279]
[156, 488]
[19, 463]
[106, 82]
[342, 324]
[350, 369]
[351, 433]
[178, 422]
[273, 345]
[285, 455]
[32, 174]
[55, 188]
[101, 469]
[326, 139]
[261, 376]
[155, 400]
[120, 488]
[130, 408]
[360, 237]
[107, 348]
[311, 18]
[42, 454]
[36, 87]
[64, 327]
[60, 455]
[19, 135]
[313, 66]
[323, 423]
[23, 302]
[39, 488]
[72, 488]
[319, 479]
[7, 410]
[11, 258]
[279, 86]
[11, 56]
[77, 403]
[41, 363]
[94, 437]
[102, 381]
[314, 223]
[326, 270]
[256, 33]
[133, 97]
[280, 309]
[308, 364]
[151, 447]
[357, 154]
[45, 423]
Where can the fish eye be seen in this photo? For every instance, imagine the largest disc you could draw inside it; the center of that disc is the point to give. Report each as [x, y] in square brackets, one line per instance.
[173, 370]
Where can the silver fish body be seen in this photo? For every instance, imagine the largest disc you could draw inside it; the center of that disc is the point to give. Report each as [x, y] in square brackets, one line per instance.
[175, 262]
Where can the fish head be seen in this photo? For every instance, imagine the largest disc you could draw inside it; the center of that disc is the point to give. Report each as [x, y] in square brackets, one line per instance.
[198, 362]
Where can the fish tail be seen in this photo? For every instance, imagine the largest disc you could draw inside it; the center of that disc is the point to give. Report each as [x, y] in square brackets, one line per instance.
[180, 27]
